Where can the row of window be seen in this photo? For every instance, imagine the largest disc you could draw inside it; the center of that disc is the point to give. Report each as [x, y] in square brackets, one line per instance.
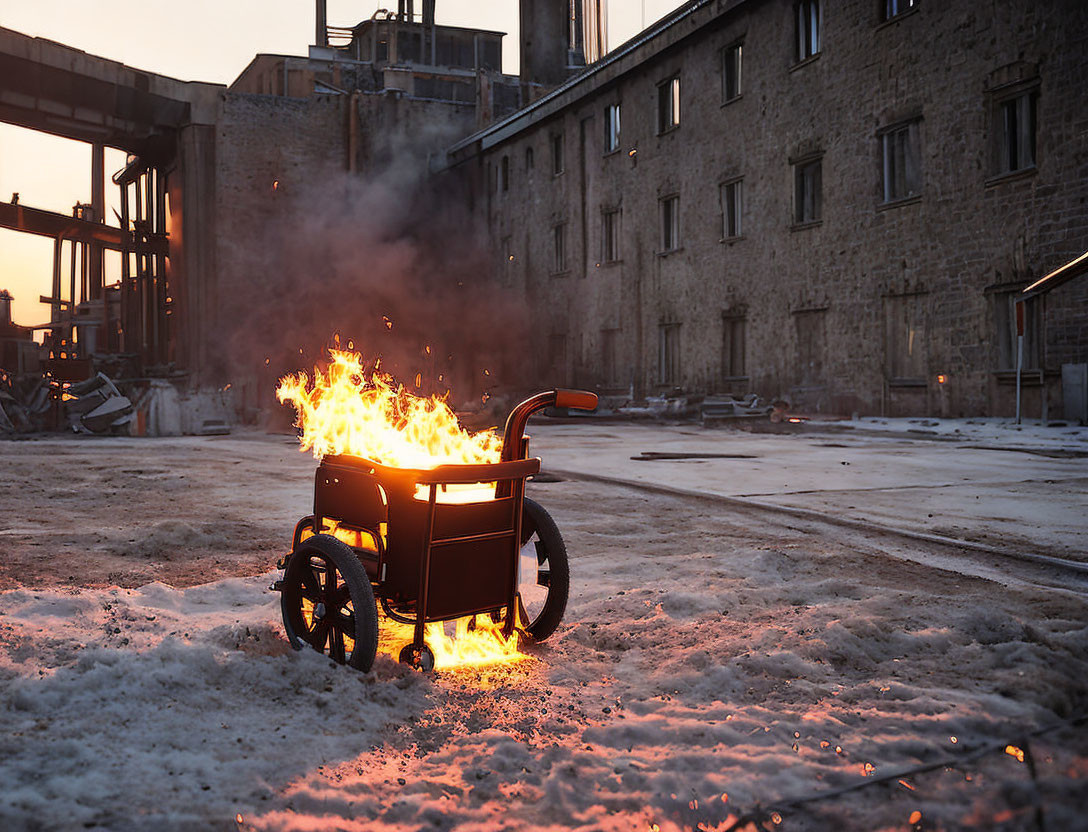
[808, 24]
[1013, 118]
[906, 347]
[901, 179]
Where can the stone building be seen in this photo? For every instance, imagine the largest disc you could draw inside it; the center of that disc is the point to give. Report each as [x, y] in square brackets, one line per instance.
[834, 203]
[830, 202]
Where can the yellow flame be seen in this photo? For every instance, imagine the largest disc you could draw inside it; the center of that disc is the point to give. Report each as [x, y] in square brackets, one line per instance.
[472, 643]
[346, 409]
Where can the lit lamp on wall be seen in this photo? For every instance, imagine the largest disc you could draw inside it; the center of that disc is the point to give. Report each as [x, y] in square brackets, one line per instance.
[942, 381]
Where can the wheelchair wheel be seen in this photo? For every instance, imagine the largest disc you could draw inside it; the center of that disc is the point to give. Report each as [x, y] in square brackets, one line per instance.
[543, 572]
[328, 603]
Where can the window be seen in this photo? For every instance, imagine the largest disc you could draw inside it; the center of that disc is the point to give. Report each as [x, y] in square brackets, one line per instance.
[811, 331]
[902, 162]
[668, 358]
[807, 200]
[731, 72]
[733, 345]
[905, 338]
[504, 173]
[732, 204]
[611, 128]
[610, 235]
[1014, 132]
[668, 104]
[557, 154]
[1005, 337]
[609, 370]
[528, 158]
[559, 248]
[894, 8]
[670, 223]
[808, 29]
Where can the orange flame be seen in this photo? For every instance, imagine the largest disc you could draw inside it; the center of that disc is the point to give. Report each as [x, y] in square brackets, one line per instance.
[473, 643]
[348, 410]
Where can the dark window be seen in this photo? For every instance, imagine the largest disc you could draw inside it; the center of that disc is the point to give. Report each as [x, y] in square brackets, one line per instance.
[559, 248]
[492, 55]
[409, 45]
[734, 327]
[894, 8]
[905, 338]
[901, 162]
[610, 236]
[504, 173]
[732, 205]
[611, 128]
[1005, 335]
[668, 104]
[808, 199]
[668, 356]
[557, 154]
[670, 223]
[383, 51]
[609, 369]
[466, 53]
[808, 29]
[1014, 133]
[732, 57]
[811, 346]
[528, 158]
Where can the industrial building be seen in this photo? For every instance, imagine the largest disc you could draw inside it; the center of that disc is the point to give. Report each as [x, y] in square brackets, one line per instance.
[833, 204]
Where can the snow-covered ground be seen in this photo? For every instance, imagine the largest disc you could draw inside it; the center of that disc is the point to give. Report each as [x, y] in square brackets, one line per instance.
[712, 660]
[1017, 488]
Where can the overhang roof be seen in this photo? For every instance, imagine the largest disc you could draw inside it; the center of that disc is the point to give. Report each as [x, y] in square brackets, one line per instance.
[651, 41]
[1073, 269]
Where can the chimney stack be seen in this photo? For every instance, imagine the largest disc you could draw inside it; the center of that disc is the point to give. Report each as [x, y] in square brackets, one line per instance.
[545, 41]
[321, 33]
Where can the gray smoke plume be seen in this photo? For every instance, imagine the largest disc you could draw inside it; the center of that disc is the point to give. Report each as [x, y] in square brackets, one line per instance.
[392, 262]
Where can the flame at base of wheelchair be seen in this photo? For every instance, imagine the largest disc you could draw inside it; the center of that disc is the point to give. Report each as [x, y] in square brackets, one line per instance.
[467, 642]
[473, 641]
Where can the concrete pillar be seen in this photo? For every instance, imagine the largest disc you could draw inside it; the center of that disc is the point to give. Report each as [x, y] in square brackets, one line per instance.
[98, 211]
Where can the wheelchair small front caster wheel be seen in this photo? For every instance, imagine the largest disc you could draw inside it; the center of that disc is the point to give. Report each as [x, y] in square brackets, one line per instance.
[420, 658]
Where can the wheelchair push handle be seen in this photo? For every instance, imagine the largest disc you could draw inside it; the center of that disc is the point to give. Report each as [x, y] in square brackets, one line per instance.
[513, 438]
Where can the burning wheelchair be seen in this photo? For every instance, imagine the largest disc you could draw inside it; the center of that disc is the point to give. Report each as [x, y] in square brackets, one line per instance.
[426, 549]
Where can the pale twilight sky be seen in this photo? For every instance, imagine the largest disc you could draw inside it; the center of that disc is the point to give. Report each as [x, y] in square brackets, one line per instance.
[194, 40]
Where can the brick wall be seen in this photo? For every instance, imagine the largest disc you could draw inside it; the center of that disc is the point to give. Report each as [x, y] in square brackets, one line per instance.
[966, 236]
